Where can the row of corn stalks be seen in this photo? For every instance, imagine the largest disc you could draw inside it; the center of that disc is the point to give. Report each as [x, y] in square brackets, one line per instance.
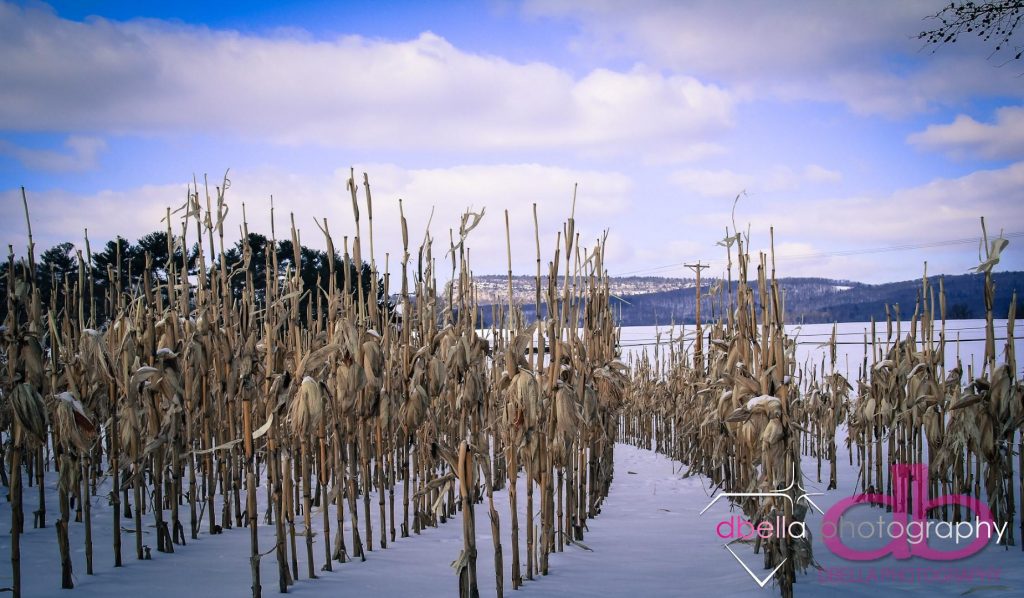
[744, 413]
[966, 425]
[189, 402]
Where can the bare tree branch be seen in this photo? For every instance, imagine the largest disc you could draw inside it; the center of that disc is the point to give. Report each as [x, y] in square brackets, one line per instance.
[994, 22]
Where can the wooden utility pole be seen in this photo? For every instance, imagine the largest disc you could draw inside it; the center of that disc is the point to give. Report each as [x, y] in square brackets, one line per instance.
[698, 352]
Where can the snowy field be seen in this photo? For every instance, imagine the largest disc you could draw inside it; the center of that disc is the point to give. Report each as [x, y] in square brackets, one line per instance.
[965, 339]
[649, 540]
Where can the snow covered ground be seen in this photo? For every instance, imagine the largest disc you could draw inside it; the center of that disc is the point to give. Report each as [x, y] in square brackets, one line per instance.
[649, 540]
[965, 339]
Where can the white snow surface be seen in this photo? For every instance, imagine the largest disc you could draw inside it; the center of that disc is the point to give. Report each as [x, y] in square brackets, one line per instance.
[648, 540]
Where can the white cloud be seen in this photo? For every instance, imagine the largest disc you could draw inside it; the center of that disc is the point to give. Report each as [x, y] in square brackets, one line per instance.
[863, 54]
[725, 183]
[672, 107]
[82, 155]
[819, 225]
[677, 154]
[940, 210]
[644, 235]
[59, 216]
[711, 183]
[1001, 139]
[673, 253]
[820, 174]
[803, 259]
[155, 77]
[602, 198]
[739, 37]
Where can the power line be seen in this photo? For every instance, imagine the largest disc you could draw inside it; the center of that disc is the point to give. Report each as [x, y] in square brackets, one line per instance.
[825, 344]
[878, 333]
[905, 247]
[637, 335]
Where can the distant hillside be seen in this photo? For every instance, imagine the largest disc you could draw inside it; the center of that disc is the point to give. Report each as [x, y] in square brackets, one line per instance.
[807, 300]
[814, 300]
[493, 288]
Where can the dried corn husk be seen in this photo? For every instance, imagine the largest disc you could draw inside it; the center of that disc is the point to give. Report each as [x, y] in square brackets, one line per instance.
[29, 416]
[307, 408]
[74, 428]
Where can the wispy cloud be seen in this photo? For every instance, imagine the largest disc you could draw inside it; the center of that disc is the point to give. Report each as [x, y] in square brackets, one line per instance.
[945, 208]
[818, 225]
[437, 196]
[820, 234]
[82, 154]
[728, 183]
[423, 94]
[661, 111]
[966, 137]
[711, 183]
[862, 54]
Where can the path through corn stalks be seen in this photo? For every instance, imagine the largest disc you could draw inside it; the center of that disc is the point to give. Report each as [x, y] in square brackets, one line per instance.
[649, 540]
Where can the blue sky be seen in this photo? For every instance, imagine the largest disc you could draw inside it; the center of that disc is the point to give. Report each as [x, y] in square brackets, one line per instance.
[842, 131]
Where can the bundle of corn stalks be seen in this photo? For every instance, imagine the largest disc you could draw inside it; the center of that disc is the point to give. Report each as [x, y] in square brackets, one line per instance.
[734, 415]
[739, 417]
[968, 421]
[208, 382]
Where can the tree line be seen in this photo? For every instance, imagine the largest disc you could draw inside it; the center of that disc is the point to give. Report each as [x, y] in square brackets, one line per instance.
[124, 266]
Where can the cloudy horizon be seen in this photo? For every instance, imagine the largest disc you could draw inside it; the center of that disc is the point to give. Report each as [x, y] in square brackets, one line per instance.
[867, 152]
